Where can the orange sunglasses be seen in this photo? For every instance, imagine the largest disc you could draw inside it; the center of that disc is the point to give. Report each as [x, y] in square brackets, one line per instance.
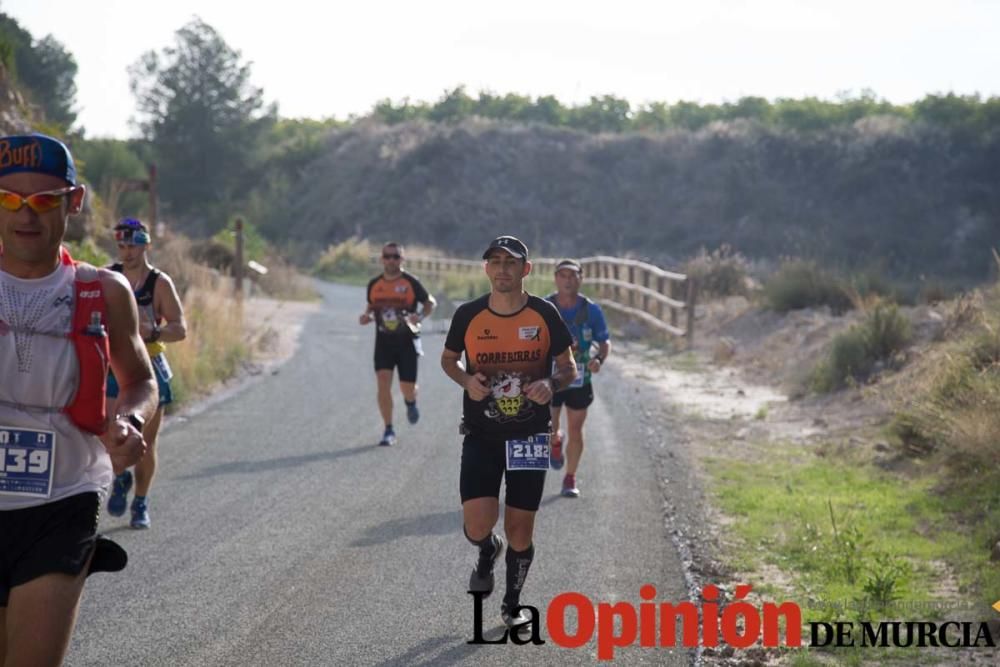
[39, 202]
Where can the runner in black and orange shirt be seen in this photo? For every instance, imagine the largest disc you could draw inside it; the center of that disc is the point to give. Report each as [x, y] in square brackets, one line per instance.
[510, 339]
[392, 304]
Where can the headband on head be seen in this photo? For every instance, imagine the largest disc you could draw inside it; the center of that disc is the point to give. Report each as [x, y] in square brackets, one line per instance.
[131, 231]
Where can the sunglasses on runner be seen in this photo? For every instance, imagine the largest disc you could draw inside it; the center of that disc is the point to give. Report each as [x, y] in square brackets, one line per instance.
[385, 256]
[39, 202]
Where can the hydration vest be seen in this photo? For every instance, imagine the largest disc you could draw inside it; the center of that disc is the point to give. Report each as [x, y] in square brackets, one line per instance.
[582, 311]
[89, 336]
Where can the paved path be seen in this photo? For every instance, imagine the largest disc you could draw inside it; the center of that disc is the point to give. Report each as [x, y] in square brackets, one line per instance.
[283, 536]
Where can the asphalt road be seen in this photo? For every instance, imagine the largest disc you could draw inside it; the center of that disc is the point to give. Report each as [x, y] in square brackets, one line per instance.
[282, 535]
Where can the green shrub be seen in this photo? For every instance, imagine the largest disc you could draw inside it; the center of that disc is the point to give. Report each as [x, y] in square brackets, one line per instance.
[886, 332]
[722, 272]
[847, 361]
[855, 353]
[802, 284]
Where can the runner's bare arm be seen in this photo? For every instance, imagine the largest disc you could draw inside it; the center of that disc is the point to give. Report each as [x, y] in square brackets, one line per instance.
[167, 304]
[474, 384]
[130, 363]
[597, 362]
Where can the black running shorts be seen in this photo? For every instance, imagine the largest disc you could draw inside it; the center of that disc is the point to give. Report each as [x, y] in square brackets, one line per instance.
[484, 463]
[579, 398]
[400, 355]
[55, 537]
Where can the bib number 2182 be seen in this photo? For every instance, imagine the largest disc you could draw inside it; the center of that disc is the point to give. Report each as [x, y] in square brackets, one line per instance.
[531, 453]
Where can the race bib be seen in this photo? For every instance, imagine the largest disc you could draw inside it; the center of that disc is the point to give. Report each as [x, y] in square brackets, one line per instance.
[531, 453]
[27, 459]
[160, 364]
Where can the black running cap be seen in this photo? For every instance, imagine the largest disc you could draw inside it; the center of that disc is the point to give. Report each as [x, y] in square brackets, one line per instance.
[570, 264]
[512, 245]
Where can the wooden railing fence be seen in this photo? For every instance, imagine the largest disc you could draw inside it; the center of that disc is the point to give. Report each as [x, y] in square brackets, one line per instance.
[662, 299]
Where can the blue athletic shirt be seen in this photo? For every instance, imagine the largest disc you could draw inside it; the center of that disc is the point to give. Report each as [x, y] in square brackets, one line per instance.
[585, 328]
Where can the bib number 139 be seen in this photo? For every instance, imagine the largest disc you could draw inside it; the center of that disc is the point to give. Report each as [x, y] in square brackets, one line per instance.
[26, 461]
[13, 459]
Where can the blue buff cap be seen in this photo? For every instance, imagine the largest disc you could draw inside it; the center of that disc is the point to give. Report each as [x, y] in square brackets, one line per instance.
[36, 153]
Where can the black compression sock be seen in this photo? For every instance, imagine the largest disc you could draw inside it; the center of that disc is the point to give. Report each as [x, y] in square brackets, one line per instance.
[486, 546]
[413, 402]
[518, 563]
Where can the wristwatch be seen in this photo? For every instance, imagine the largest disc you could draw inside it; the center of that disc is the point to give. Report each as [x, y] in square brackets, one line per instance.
[135, 420]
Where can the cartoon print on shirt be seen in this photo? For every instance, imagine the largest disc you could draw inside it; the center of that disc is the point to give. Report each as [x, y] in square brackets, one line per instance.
[507, 403]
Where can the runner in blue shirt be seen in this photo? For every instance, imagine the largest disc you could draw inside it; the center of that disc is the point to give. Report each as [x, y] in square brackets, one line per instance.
[586, 322]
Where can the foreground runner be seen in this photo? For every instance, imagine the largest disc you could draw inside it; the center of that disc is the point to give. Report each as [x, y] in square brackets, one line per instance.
[60, 322]
[510, 339]
[586, 322]
[392, 304]
[161, 320]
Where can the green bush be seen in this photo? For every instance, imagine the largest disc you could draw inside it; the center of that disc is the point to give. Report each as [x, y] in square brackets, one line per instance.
[848, 360]
[802, 284]
[886, 332]
[855, 353]
[722, 272]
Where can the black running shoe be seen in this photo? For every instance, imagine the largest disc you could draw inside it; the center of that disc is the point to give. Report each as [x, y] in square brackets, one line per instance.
[481, 580]
[520, 619]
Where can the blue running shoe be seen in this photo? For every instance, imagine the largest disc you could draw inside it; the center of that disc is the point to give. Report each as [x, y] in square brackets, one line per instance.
[118, 499]
[388, 438]
[140, 513]
[412, 413]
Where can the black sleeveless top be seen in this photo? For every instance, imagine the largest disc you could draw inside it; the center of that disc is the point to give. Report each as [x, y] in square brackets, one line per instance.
[143, 295]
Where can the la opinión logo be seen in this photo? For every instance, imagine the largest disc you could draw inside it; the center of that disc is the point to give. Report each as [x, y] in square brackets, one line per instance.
[740, 625]
[652, 624]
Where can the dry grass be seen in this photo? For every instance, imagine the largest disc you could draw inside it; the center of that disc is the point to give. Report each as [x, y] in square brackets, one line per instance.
[951, 405]
[214, 347]
[284, 281]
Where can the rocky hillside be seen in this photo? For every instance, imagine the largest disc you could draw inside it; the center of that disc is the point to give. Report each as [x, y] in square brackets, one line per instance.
[14, 110]
[909, 198]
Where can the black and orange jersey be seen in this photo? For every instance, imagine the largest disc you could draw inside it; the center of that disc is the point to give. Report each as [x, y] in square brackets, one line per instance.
[391, 301]
[512, 351]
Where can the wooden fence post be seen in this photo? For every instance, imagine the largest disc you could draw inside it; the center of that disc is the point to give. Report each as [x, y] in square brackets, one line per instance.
[692, 299]
[673, 295]
[238, 261]
[660, 284]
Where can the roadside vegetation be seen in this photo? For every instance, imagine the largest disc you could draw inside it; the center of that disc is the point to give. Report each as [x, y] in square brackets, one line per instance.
[907, 529]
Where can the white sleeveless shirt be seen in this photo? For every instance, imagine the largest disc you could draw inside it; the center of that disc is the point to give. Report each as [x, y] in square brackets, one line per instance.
[38, 369]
